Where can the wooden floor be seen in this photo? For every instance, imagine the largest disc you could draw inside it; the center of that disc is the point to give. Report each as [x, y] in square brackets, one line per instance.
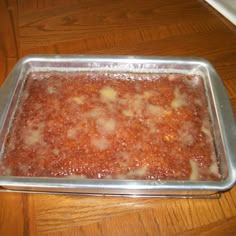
[117, 27]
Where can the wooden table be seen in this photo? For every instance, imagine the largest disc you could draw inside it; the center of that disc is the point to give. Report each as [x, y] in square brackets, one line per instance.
[150, 27]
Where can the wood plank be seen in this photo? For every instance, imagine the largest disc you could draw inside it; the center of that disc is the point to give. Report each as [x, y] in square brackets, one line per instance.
[3, 64]
[11, 214]
[13, 10]
[153, 221]
[72, 211]
[76, 20]
[31, 5]
[220, 228]
[152, 27]
[57, 213]
[233, 102]
[8, 44]
[231, 87]
[7, 65]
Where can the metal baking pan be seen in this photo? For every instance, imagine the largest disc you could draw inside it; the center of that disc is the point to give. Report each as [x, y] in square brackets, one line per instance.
[223, 122]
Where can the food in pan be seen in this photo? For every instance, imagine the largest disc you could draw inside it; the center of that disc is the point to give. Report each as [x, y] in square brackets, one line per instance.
[100, 125]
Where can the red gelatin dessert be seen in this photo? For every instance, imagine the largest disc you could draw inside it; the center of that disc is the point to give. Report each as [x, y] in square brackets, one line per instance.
[112, 126]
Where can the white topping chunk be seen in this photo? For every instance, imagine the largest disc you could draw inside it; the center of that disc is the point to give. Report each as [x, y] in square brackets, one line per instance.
[108, 94]
[214, 169]
[7, 171]
[95, 113]
[198, 102]
[185, 134]
[77, 176]
[195, 173]
[179, 100]
[187, 138]
[148, 94]
[138, 104]
[138, 172]
[172, 77]
[12, 145]
[100, 143]
[72, 133]
[78, 100]
[34, 135]
[108, 177]
[110, 125]
[120, 176]
[56, 151]
[155, 110]
[24, 168]
[205, 129]
[51, 90]
[128, 113]
[106, 125]
[152, 127]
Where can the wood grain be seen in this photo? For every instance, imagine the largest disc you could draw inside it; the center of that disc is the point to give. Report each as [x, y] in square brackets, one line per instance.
[8, 35]
[152, 27]
[77, 20]
[140, 216]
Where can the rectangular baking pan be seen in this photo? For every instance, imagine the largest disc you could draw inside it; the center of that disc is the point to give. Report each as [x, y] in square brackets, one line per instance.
[222, 117]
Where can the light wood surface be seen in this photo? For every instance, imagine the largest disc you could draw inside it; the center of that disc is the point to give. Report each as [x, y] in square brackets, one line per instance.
[135, 27]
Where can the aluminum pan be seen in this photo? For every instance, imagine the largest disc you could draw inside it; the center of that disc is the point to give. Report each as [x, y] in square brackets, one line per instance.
[219, 104]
